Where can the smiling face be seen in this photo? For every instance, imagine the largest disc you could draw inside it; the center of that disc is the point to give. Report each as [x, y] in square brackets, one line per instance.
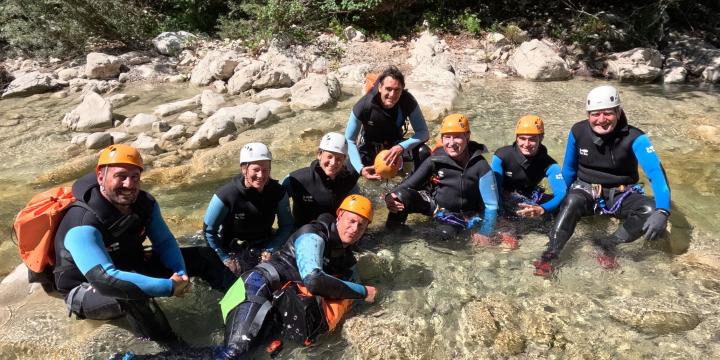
[455, 143]
[351, 227]
[529, 145]
[119, 184]
[603, 121]
[390, 90]
[330, 162]
[257, 174]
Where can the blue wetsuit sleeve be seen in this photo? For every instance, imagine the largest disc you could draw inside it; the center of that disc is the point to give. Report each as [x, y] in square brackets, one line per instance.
[85, 244]
[497, 168]
[352, 131]
[558, 187]
[569, 169]
[214, 217]
[164, 243]
[285, 224]
[417, 121]
[488, 191]
[309, 250]
[648, 159]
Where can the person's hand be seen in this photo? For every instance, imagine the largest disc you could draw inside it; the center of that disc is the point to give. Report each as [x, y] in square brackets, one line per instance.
[181, 285]
[234, 266]
[479, 239]
[265, 256]
[530, 210]
[393, 204]
[371, 292]
[368, 172]
[393, 154]
[655, 225]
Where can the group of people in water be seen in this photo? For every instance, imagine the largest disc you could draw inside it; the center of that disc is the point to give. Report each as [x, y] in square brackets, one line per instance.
[105, 272]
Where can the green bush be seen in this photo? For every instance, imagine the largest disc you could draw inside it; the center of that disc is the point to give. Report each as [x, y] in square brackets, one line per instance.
[470, 22]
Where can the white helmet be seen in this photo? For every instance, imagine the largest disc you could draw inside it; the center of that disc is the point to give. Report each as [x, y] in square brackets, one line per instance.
[334, 142]
[254, 152]
[602, 97]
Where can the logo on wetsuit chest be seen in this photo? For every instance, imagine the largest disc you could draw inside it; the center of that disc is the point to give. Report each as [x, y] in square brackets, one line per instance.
[584, 152]
[308, 198]
[371, 123]
[441, 174]
[508, 173]
[240, 216]
[113, 247]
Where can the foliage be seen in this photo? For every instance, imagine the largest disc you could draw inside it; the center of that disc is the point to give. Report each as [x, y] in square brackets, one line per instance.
[470, 22]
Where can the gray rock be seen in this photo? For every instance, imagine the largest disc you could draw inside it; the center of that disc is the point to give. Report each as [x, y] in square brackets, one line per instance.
[189, 117]
[214, 128]
[636, 65]
[119, 136]
[315, 92]
[98, 140]
[133, 58]
[151, 72]
[160, 126]
[244, 77]
[712, 71]
[171, 43]
[352, 34]
[496, 39]
[30, 83]
[179, 78]
[654, 317]
[79, 138]
[216, 65]
[277, 107]
[141, 123]
[273, 94]
[210, 102]
[177, 106]
[146, 145]
[279, 71]
[219, 86]
[700, 58]
[67, 73]
[536, 60]
[102, 66]
[119, 100]
[674, 75]
[352, 76]
[176, 132]
[94, 113]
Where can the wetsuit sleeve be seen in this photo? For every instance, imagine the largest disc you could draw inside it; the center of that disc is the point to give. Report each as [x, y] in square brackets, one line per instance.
[570, 163]
[285, 224]
[85, 244]
[214, 217]
[488, 191]
[417, 121]
[419, 177]
[164, 243]
[309, 250]
[352, 130]
[558, 186]
[648, 159]
[497, 168]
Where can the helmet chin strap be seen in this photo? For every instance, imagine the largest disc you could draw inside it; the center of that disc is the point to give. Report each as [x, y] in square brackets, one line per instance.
[102, 186]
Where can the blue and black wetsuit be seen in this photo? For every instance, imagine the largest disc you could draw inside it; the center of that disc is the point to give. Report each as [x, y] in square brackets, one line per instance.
[313, 255]
[466, 193]
[239, 220]
[314, 193]
[518, 178]
[372, 128]
[602, 172]
[103, 269]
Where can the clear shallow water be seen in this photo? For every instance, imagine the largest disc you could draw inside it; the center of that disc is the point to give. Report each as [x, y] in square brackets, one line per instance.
[432, 290]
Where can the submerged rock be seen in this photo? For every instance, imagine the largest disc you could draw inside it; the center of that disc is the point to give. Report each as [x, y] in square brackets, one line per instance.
[387, 337]
[653, 316]
[94, 113]
[177, 106]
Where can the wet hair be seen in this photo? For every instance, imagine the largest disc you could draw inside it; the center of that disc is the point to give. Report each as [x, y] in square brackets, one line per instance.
[393, 72]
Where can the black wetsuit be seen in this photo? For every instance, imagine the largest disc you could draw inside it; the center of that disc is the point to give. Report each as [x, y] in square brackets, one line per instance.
[314, 193]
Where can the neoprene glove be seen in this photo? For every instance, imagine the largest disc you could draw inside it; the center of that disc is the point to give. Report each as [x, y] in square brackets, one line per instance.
[655, 225]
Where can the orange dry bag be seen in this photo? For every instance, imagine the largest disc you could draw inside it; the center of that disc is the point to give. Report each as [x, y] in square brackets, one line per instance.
[36, 223]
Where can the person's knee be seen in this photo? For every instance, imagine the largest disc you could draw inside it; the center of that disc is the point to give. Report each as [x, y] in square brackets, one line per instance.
[87, 304]
[421, 153]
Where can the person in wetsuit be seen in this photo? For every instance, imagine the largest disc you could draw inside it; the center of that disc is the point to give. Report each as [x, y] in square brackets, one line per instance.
[321, 187]
[319, 255]
[601, 170]
[519, 168]
[377, 122]
[102, 267]
[455, 185]
[239, 219]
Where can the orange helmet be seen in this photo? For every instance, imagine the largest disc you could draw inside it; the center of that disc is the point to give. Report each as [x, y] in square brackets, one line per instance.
[370, 80]
[120, 154]
[530, 125]
[357, 204]
[385, 171]
[455, 123]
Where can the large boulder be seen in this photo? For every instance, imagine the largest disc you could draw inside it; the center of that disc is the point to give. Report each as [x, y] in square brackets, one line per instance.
[94, 113]
[30, 83]
[171, 43]
[674, 72]
[210, 102]
[712, 71]
[700, 58]
[98, 140]
[5, 78]
[141, 123]
[177, 106]
[315, 92]
[352, 76]
[216, 65]
[215, 127]
[637, 65]
[536, 60]
[244, 77]
[280, 70]
[68, 73]
[102, 66]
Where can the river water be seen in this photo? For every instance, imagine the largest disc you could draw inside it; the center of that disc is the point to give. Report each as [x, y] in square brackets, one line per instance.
[433, 294]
